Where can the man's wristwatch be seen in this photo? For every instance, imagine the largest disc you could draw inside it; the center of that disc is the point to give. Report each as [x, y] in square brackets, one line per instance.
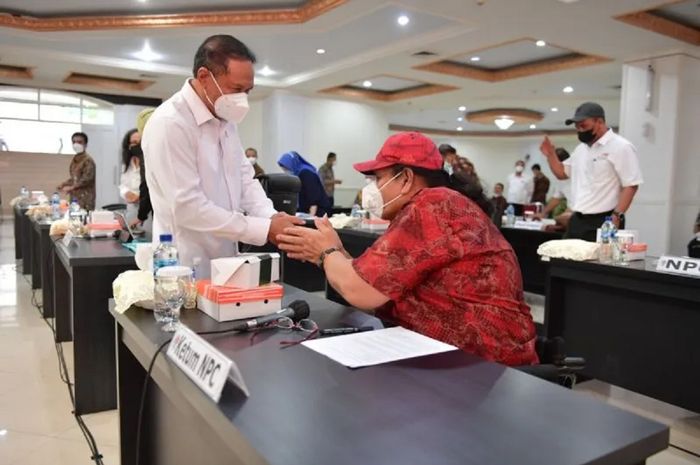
[326, 253]
[619, 215]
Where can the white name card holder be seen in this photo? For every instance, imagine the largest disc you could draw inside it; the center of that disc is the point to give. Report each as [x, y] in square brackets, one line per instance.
[206, 366]
[531, 225]
[67, 239]
[679, 265]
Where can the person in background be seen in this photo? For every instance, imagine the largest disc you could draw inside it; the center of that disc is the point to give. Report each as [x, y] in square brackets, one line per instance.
[449, 157]
[604, 172]
[694, 244]
[539, 194]
[561, 196]
[252, 155]
[145, 207]
[442, 268]
[200, 183]
[312, 198]
[499, 203]
[520, 188]
[131, 176]
[81, 184]
[325, 172]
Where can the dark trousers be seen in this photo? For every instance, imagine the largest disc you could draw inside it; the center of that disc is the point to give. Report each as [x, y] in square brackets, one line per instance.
[585, 226]
[518, 209]
[332, 199]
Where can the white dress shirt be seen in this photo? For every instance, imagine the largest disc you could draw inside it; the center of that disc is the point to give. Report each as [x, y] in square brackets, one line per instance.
[200, 182]
[520, 188]
[599, 172]
[129, 182]
[562, 190]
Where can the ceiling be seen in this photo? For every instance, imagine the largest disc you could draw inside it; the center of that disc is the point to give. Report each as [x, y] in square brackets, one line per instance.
[362, 41]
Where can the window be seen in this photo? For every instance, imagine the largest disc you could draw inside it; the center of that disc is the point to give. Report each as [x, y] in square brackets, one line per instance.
[37, 120]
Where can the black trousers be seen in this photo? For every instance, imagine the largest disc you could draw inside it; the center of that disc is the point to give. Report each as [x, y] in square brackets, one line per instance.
[585, 226]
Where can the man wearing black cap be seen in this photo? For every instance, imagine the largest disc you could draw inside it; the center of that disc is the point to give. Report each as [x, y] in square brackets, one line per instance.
[604, 172]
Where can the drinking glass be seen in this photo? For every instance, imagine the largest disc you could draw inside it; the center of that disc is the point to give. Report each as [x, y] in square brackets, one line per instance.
[171, 291]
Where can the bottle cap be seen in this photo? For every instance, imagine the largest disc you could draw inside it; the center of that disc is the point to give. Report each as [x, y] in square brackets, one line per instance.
[166, 237]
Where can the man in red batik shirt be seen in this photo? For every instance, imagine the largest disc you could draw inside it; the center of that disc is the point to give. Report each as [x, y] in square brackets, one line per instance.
[441, 269]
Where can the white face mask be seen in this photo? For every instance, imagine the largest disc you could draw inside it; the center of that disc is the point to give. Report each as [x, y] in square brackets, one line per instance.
[447, 167]
[230, 107]
[252, 160]
[519, 169]
[78, 148]
[372, 200]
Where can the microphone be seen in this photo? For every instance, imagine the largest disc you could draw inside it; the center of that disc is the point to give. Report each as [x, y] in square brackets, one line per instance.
[297, 310]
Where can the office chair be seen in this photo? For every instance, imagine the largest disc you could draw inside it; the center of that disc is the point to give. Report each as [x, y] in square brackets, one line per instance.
[283, 190]
[113, 207]
[554, 365]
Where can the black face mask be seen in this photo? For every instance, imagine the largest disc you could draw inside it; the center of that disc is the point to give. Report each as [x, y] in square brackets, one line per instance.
[136, 151]
[586, 136]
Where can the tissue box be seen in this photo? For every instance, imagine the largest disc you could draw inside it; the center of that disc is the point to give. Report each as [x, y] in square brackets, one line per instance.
[246, 271]
[229, 303]
[102, 217]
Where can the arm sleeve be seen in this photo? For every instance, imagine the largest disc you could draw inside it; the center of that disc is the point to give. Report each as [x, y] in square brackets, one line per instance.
[173, 154]
[254, 201]
[411, 249]
[626, 165]
[144, 197]
[123, 185]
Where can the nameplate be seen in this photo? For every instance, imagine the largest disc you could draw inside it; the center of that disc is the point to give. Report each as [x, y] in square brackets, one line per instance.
[207, 367]
[531, 225]
[680, 265]
[67, 239]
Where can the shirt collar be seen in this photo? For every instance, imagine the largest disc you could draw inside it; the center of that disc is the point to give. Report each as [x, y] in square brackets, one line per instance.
[199, 109]
[606, 137]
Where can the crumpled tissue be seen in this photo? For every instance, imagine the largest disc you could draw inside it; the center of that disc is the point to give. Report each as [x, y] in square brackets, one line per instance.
[571, 249]
[133, 287]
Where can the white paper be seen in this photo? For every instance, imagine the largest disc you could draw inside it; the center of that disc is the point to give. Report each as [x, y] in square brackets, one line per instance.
[376, 347]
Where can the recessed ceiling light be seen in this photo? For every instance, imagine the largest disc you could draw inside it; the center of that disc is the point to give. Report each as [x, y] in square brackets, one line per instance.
[403, 20]
[533, 126]
[504, 122]
[3, 432]
[460, 119]
[568, 89]
[540, 43]
[320, 51]
[146, 53]
[475, 59]
[367, 84]
[554, 109]
[460, 128]
[142, 1]
[266, 71]
[462, 108]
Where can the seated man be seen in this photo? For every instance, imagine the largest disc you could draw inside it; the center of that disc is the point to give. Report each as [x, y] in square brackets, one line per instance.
[442, 268]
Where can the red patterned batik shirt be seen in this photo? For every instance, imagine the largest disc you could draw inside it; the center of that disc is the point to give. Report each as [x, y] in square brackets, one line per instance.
[452, 276]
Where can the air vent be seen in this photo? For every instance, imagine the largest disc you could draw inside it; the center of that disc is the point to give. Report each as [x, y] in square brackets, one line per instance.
[9, 71]
[148, 76]
[424, 53]
[107, 82]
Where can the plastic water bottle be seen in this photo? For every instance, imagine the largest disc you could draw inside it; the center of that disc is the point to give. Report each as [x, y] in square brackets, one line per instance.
[354, 212]
[55, 206]
[24, 192]
[616, 252]
[607, 232]
[74, 206]
[164, 255]
[510, 215]
[191, 297]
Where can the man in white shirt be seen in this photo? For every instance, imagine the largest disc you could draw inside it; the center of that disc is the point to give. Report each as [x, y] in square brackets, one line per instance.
[604, 172]
[201, 185]
[520, 188]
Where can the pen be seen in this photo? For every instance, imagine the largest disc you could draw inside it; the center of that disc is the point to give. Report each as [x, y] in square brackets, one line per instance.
[339, 331]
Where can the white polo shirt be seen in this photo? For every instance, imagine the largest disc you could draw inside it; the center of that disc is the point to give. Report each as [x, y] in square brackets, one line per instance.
[200, 182]
[520, 189]
[598, 173]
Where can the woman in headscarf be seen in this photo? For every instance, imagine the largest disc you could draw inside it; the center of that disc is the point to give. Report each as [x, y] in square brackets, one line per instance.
[312, 197]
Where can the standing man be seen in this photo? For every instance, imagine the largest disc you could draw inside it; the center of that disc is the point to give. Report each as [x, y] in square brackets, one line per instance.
[604, 172]
[520, 188]
[541, 185]
[325, 172]
[201, 186]
[252, 155]
[81, 184]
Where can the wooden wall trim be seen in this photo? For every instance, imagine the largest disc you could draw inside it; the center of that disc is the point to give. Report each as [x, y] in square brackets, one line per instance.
[505, 134]
[308, 11]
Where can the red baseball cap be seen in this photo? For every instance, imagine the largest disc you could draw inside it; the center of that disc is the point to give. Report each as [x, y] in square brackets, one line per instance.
[406, 148]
